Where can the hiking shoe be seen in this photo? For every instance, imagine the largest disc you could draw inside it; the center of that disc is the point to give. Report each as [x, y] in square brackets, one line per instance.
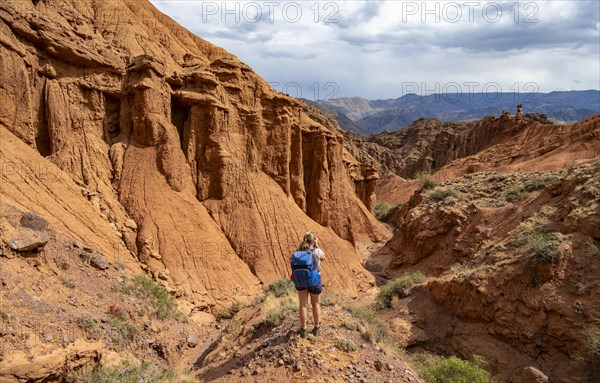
[315, 331]
[303, 333]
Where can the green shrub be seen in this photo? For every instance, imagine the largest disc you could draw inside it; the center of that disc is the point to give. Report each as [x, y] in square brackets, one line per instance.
[538, 182]
[593, 343]
[156, 295]
[366, 320]
[519, 192]
[398, 288]
[69, 282]
[442, 194]
[355, 326]
[539, 245]
[276, 316]
[345, 344]
[591, 246]
[122, 332]
[375, 330]
[546, 247]
[277, 309]
[127, 372]
[279, 301]
[329, 298]
[229, 312]
[234, 327]
[514, 193]
[90, 326]
[280, 287]
[425, 180]
[590, 189]
[382, 210]
[455, 370]
[496, 177]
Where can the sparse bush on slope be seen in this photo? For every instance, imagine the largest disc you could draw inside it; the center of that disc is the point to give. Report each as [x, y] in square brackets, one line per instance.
[156, 296]
[425, 180]
[521, 191]
[345, 344]
[515, 193]
[593, 344]
[536, 240]
[126, 372]
[280, 287]
[374, 329]
[398, 288]
[229, 312]
[366, 319]
[277, 309]
[382, 210]
[538, 182]
[455, 370]
[442, 194]
[90, 326]
[163, 303]
[280, 300]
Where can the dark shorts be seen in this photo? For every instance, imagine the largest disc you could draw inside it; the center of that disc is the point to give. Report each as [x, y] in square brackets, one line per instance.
[318, 289]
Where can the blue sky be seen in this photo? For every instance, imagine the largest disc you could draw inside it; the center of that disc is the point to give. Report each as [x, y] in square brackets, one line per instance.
[384, 49]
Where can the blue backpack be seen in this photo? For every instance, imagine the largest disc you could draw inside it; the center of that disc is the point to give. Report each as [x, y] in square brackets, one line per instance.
[304, 274]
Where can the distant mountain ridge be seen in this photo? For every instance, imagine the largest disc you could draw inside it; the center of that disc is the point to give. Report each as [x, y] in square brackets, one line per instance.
[376, 116]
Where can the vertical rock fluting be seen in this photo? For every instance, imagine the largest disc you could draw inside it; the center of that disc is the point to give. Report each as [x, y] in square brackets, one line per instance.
[220, 173]
[360, 166]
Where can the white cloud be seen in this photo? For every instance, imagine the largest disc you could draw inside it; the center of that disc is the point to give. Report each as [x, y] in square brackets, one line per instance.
[374, 49]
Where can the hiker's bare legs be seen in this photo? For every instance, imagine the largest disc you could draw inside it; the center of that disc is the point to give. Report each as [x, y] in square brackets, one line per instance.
[303, 299]
[316, 309]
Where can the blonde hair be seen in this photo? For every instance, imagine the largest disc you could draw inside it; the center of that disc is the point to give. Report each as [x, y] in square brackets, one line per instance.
[309, 241]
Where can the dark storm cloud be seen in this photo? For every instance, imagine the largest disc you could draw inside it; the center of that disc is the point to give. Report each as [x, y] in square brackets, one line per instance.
[365, 13]
[240, 27]
[538, 30]
[577, 30]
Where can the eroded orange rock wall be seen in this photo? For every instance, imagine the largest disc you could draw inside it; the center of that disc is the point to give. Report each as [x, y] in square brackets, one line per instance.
[220, 173]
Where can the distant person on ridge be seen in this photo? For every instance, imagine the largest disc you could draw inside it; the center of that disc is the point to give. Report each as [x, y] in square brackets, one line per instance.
[306, 274]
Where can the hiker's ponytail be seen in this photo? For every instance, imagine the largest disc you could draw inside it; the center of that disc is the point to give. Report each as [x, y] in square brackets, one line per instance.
[309, 241]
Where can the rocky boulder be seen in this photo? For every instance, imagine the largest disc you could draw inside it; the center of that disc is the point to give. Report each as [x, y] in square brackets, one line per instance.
[22, 232]
[28, 240]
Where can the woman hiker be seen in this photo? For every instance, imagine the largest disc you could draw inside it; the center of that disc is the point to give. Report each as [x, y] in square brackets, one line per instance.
[306, 274]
